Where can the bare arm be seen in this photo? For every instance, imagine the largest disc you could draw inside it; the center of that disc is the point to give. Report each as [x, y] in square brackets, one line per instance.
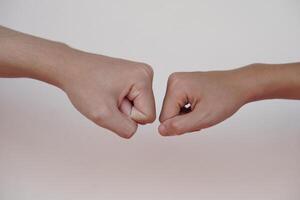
[23, 55]
[272, 81]
[214, 96]
[114, 93]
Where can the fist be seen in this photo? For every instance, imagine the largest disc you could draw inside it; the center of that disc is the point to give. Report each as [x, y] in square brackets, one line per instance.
[212, 96]
[114, 93]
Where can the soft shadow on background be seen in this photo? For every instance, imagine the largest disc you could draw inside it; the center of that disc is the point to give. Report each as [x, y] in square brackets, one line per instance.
[49, 151]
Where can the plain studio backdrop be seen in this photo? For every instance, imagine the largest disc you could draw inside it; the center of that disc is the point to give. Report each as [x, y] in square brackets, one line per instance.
[50, 151]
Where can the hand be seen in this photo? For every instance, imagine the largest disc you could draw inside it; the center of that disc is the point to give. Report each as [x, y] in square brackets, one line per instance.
[115, 94]
[214, 96]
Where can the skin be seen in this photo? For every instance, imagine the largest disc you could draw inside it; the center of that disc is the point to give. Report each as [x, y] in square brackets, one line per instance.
[216, 95]
[117, 94]
[114, 93]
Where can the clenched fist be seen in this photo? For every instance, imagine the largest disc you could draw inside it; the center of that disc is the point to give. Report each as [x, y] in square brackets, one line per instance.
[213, 97]
[216, 95]
[115, 94]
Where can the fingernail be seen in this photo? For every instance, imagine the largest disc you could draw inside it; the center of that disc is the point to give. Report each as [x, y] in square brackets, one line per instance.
[137, 115]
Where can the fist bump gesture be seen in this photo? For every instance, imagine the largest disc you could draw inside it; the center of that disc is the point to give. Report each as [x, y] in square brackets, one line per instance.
[117, 94]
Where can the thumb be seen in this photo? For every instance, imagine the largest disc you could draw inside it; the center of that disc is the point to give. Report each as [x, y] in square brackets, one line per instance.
[127, 108]
[180, 124]
[143, 110]
[113, 119]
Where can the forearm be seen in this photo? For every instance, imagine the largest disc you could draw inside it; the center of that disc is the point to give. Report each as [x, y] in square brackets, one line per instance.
[22, 55]
[270, 81]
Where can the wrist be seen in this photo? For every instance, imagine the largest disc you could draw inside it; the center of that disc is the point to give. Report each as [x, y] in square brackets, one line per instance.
[56, 64]
[256, 81]
[53, 64]
[71, 66]
[23, 55]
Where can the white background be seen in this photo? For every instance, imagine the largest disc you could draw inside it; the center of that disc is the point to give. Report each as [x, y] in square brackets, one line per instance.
[49, 151]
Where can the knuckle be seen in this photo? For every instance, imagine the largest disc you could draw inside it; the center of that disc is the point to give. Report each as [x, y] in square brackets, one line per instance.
[151, 118]
[174, 78]
[161, 118]
[146, 70]
[128, 132]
